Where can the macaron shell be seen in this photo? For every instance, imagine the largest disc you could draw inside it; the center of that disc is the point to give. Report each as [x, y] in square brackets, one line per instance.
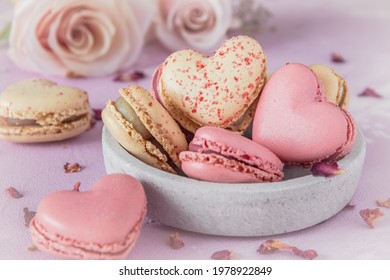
[294, 120]
[219, 169]
[99, 223]
[236, 143]
[335, 86]
[215, 90]
[157, 120]
[40, 98]
[126, 135]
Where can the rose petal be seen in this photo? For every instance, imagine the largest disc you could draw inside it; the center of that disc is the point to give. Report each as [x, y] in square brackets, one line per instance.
[32, 248]
[175, 242]
[337, 58]
[14, 193]
[129, 77]
[222, 255]
[383, 203]
[370, 215]
[72, 168]
[97, 114]
[28, 216]
[326, 169]
[370, 93]
[271, 246]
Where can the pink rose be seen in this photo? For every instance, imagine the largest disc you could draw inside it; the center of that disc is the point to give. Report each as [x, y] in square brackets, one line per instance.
[201, 25]
[79, 37]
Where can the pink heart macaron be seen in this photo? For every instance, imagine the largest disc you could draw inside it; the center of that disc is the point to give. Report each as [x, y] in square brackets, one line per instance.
[294, 120]
[218, 90]
[219, 155]
[101, 223]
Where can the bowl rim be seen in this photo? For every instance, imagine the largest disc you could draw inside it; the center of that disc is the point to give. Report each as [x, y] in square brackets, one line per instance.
[359, 147]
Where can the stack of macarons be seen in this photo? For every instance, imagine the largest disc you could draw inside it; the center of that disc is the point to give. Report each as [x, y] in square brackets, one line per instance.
[298, 115]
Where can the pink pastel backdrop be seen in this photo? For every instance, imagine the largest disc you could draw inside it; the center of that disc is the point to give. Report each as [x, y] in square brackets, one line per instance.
[303, 31]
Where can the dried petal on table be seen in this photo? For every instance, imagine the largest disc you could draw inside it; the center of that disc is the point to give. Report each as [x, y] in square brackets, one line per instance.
[222, 255]
[175, 241]
[97, 114]
[28, 216]
[76, 186]
[32, 248]
[337, 58]
[129, 77]
[72, 168]
[326, 169]
[350, 206]
[383, 203]
[370, 215]
[74, 75]
[271, 246]
[14, 193]
[370, 93]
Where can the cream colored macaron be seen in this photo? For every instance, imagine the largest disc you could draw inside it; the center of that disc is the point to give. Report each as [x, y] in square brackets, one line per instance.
[336, 89]
[39, 110]
[144, 128]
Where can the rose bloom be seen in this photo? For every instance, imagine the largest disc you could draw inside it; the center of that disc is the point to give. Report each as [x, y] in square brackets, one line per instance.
[200, 25]
[79, 37]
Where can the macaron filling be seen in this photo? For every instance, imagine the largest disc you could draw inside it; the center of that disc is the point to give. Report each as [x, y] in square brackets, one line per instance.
[205, 146]
[39, 122]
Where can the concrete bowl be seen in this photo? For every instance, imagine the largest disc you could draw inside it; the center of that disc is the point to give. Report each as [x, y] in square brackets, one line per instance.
[256, 209]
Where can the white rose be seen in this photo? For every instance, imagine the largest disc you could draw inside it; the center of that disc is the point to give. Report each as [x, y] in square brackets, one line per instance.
[200, 25]
[79, 37]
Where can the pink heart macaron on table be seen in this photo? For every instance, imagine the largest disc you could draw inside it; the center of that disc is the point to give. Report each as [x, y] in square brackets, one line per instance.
[102, 222]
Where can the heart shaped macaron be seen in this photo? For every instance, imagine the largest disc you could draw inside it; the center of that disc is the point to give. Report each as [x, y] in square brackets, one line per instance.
[101, 223]
[294, 120]
[213, 90]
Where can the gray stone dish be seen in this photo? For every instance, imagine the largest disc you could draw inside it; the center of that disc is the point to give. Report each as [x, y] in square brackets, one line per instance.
[256, 209]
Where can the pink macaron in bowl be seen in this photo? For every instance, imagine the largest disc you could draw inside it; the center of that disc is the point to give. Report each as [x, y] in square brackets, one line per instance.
[299, 201]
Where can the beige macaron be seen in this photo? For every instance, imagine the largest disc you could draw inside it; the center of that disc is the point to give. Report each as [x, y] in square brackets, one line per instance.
[39, 110]
[336, 89]
[145, 129]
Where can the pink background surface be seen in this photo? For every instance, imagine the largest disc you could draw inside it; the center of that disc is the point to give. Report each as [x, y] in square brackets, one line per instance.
[304, 32]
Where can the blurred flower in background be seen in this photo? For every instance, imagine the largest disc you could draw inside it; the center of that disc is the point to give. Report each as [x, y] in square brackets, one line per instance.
[200, 25]
[79, 38]
[99, 37]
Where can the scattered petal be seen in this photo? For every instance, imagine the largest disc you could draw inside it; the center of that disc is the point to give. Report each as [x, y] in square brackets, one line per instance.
[383, 203]
[130, 77]
[72, 168]
[76, 186]
[74, 75]
[175, 241]
[370, 215]
[271, 246]
[350, 206]
[222, 255]
[326, 169]
[28, 216]
[97, 114]
[337, 58]
[32, 248]
[370, 93]
[14, 193]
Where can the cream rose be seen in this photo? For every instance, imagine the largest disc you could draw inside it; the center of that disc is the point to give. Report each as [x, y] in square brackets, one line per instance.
[79, 37]
[200, 25]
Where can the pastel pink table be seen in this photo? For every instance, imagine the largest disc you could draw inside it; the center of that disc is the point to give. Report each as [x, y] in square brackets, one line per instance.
[303, 32]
